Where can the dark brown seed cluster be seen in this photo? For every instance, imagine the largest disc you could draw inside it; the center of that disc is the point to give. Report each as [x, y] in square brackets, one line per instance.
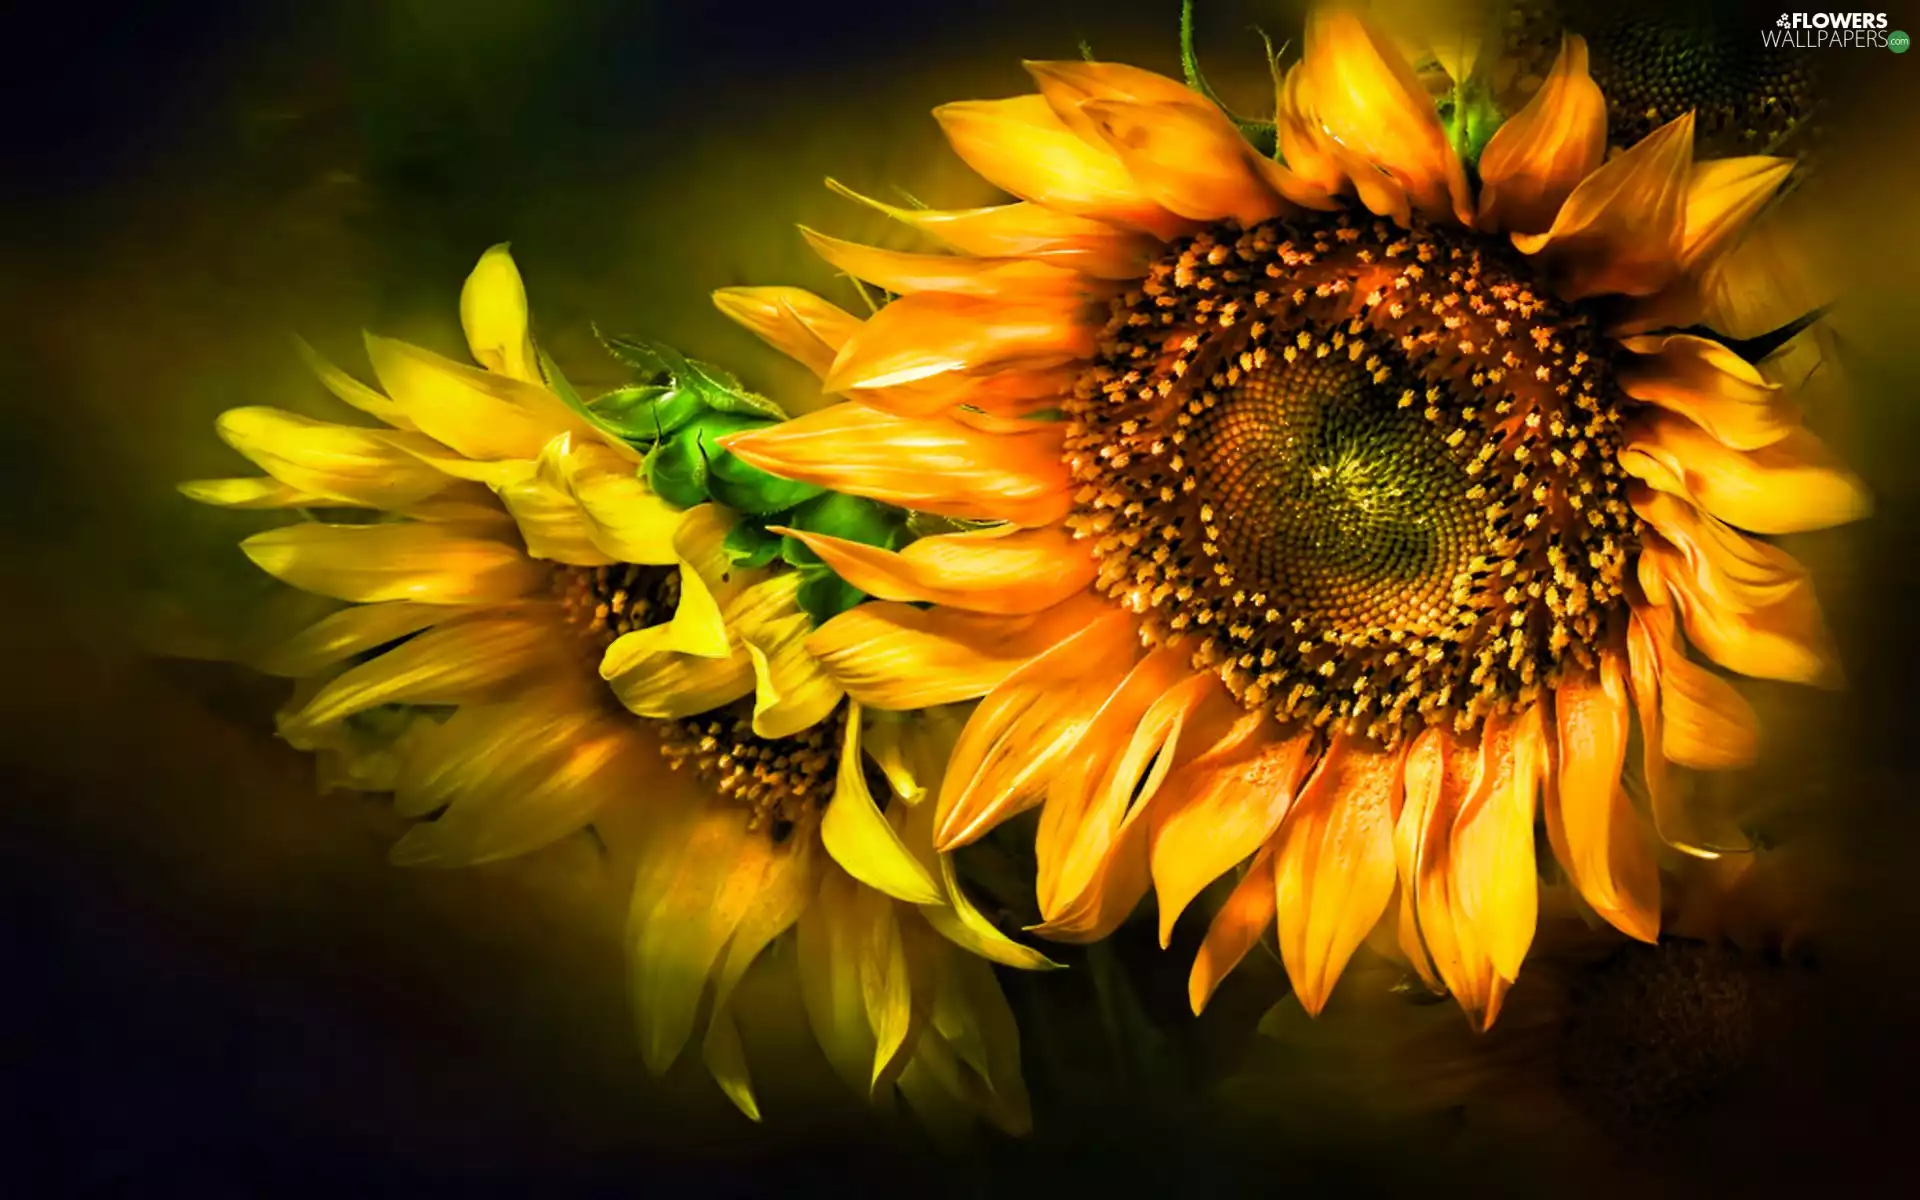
[1369, 474]
[1655, 60]
[1656, 1034]
[781, 781]
[602, 603]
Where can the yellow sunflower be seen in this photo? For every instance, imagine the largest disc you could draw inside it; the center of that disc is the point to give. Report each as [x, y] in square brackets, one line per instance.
[513, 585]
[1336, 527]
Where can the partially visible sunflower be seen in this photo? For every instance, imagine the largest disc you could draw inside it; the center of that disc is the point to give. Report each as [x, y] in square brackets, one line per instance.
[1378, 514]
[510, 576]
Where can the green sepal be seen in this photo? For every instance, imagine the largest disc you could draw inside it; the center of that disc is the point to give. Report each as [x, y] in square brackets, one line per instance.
[823, 595]
[1471, 118]
[749, 546]
[741, 486]
[660, 364]
[852, 519]
[647, 412]
[570, 396]
[677, 471]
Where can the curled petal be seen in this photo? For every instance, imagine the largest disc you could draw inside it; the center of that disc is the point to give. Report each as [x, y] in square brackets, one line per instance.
[791, 692]
[1747, 604]
[584, 505]
[859, 836]
[999, 570]
[478, 413]
[1360, 93]
[493, 312]
[1025, 230]
[351, 390]
[932, 464]
[1443, 775]
[894, 656]
[1189, 159]
[430, 563]
[1494, 877]
[793, 321]
[1333, 864]
[1623, 228]
[1711, 386]
[1067, 84]
[1021, 146]
[1791, 486]
[1248, 912]
[1536, 159]
[1596, 835]
[1687, 716]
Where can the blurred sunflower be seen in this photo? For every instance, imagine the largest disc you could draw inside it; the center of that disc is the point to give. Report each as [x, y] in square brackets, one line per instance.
[1355, 515]
[515, 563]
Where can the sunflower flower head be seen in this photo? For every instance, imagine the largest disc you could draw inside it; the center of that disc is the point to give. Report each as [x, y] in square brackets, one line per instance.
[1350, 515]
[559, 613]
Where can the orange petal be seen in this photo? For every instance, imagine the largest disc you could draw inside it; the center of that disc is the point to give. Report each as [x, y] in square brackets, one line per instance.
[904, 273]
[1192, 161]
[918, 338]
[1333, 864]
[1363, 94]
[792, 320]
[1088, 800]
[1066, 84]
[1024, 730]
[1748, 605]
[1021, 146]
[1002, 393]
[932, 464]
[1711, 386]
[1235, 928]
[1622, 229]
[1026, 230]
[1494, 878]
[1230, 803]
[1590, 820]
[1536, 159]
[1001, 570]
[1793, 485]
[1723, 195]
[1444, 775]
[1687, 716]
[1322, 164]
[896, 656]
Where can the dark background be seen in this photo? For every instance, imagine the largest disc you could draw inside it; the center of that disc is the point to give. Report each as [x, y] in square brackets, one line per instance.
[209, 976]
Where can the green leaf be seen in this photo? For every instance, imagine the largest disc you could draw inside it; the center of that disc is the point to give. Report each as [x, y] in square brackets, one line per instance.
[647, 412]
[823, 595]
[749, 546]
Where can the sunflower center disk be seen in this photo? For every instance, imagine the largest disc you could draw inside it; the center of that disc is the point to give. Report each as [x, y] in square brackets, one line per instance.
[602, 603]
[780, 781]
[1368, 473]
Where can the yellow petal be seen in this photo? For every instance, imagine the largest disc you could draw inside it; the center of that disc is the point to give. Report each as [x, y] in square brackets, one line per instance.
[1231, 802]
[726, 1060]
[1783, 265]
[1363, 94]
[1067, 83]
[1025, 230]
[1024, 730]
[1333, 864]
[1019, 145]
[1710, 385]
[621, 515]
[710, 894]
[1595, 833]
[1001, 570]
[1687, 716]
[259, 492]
[1323, 163]
[1236, 927]
[860, 837]
[360, 466]
[351, 390]
[351, 631]
[429, 563]
[482, 415]
[895, 656]
[1793, 485]
[1445, 775]
[931, 464]
[493, 312]
[956, 917]
[1622, 229]
[456, 663]
[1495, 883]
[1541, 153]
[1747, 604]
[1189, 159]
[832, 939]
[1723, 195]
[1117, 767]
[791, 692]
[1006, 280]
[917, 338]
[793, 321]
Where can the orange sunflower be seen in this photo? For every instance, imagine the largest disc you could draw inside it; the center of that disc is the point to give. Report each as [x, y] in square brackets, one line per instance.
[1368, 521]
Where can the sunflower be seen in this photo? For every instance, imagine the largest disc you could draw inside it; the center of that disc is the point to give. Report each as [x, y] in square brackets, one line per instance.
[535, 638]
[1348, 530]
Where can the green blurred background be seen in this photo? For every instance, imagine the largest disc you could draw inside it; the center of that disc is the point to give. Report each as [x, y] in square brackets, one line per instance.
[217, 979]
